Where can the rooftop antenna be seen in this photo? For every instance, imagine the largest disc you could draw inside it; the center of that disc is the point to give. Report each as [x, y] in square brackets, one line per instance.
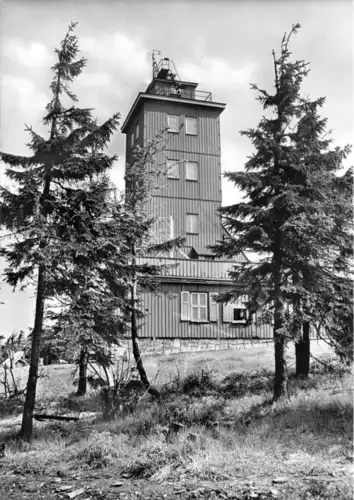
[154, 63]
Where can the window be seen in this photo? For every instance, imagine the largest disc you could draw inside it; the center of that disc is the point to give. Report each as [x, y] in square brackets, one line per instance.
[191, 125]
[236, 312]
[137, 131]
[173, 169]
[199, 307]
[173, 123]
[191, 171]
[192, 222]
[132, 139]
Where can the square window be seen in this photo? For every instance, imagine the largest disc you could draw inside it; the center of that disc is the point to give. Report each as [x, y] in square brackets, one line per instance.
[239, 314]
[173, 123]
[173, 169]
[192, 222]
[191, 171]
[191, 125]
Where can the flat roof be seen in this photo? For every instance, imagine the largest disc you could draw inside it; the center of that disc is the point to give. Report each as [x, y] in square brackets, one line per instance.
[154, 97]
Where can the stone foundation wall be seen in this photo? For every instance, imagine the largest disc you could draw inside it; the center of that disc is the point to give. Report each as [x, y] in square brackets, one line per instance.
[177, 346]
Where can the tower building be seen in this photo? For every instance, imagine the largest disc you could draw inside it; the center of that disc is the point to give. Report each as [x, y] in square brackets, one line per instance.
[186, 206]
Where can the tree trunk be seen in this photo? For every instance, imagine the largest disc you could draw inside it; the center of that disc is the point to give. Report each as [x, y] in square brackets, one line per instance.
[302, 353]
[83, 362]
[27, 418]
[136, 349]
[281, 372]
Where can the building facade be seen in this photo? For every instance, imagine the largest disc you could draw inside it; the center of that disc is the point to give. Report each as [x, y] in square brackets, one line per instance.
[186, 206]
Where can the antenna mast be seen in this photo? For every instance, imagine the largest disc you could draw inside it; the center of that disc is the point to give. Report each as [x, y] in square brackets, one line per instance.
[154, 63]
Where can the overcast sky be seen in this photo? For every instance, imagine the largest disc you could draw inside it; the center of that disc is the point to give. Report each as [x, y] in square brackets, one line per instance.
[222, 45]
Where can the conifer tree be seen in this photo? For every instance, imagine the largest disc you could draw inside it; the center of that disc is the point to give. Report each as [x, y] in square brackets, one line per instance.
[290, 215]
[48, 181]
[135, 222]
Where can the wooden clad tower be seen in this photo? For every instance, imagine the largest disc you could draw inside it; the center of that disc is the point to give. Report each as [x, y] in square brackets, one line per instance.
[187, 203]
[186, 206]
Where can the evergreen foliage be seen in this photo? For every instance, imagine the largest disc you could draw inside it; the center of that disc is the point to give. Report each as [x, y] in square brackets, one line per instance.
[295, 215]
[60, 189]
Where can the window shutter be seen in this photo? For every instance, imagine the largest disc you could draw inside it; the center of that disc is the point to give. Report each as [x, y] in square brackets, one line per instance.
[173, 169]
[213, 307]
[172, 123]
[226, 313]
[191, 171]
[191, 126]
[184, 306]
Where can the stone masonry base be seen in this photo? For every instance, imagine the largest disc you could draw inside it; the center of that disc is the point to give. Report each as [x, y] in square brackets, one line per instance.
[177, 346]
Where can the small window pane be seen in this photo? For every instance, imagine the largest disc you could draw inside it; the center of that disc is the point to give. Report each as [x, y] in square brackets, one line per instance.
[173, 123]
[191, 170]
[173, 169]
[132, 139]
[194, 299]
[137, 131]
[195, 312]
[192, 224]
[202, 299]
[191, 126]
[203, 314]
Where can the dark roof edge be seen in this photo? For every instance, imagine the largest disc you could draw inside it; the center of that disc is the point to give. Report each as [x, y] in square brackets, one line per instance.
[154, 97]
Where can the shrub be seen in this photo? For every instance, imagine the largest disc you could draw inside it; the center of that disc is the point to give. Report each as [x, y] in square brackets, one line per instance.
[198, 384]
[99, 452]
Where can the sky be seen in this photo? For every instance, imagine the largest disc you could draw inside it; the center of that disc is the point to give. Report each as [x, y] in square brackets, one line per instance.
[223, 45]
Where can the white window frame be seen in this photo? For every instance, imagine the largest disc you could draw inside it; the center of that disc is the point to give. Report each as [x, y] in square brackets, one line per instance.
[190, 229]
[196, 306]
[189, 175]
[175, 129]
[173, 169]
[191, 130]
[228, 311]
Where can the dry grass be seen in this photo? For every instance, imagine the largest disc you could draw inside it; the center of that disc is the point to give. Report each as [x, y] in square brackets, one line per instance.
[307, 439]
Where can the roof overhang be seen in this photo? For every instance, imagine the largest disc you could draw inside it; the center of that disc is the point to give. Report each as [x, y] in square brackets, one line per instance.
[153, 97]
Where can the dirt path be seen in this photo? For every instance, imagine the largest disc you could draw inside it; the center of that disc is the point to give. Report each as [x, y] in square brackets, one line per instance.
[108, 484]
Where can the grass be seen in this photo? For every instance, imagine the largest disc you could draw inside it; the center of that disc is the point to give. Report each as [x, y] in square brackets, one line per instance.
[307, 440]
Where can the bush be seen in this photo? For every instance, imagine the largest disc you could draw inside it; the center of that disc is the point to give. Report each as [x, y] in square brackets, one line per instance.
[198, 384]
[242, 384]
[99, 452]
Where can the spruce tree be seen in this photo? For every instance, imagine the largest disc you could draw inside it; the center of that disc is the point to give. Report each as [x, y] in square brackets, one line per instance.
[48, 180]
[290, 213]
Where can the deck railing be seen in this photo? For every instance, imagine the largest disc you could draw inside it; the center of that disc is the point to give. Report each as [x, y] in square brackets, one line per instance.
[194, 95]
[191, 268]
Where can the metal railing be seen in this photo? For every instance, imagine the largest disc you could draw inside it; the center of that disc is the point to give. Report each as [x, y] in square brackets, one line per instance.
[194, 95]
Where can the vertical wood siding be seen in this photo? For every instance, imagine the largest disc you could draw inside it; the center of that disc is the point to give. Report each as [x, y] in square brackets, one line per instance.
[207, 140]
[163, 317]
[208, 186]
[210, 229]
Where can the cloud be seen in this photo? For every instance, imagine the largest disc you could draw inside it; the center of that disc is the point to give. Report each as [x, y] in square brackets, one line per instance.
[127, 55]
[97, 79]
[216, 72]
[31, 54]
[23, 92]
[233, 158]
